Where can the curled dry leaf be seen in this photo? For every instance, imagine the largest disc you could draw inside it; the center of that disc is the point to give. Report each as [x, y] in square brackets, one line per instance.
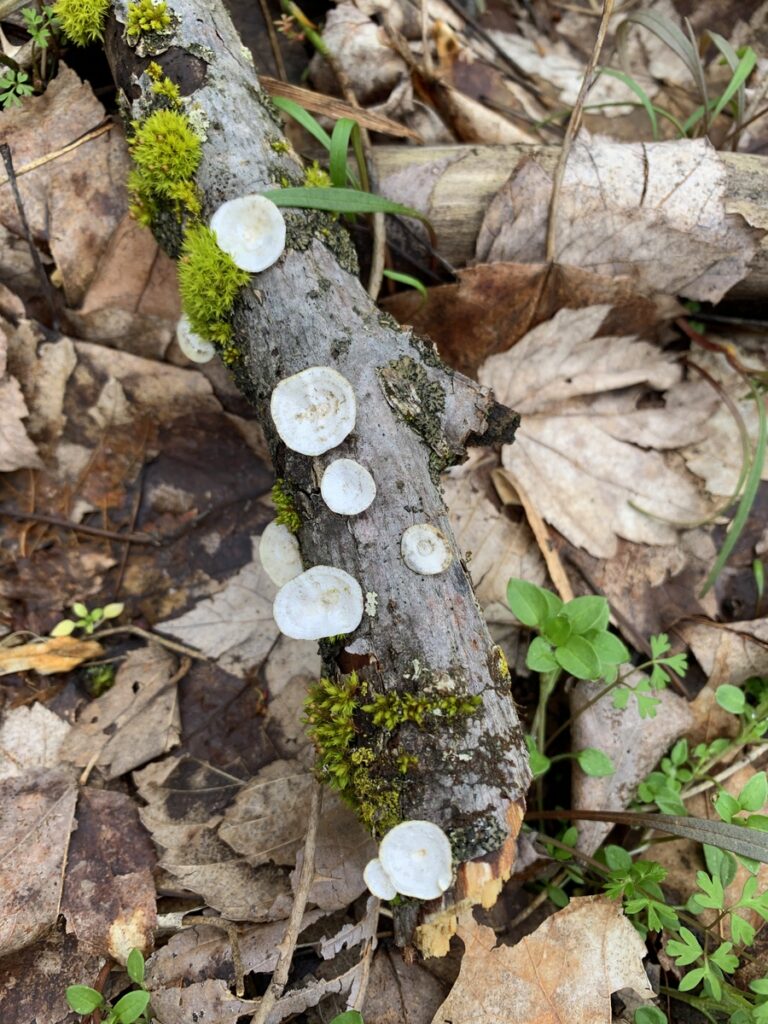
[634, 744]
[34, 835]
[654, 211]
[588, 448]
[54, 654]
[729, 652]
[565, 971]
[109, 889]
[136, 721]
[16, 449]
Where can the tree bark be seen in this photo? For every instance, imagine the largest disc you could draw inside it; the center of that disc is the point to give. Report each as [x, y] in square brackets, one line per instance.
[414, 417]
[459, 183]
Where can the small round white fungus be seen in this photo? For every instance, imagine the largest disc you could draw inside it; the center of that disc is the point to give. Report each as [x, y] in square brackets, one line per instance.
[416, 857]
[378, 881]
[192, 345]
[279, 553]
[347, 487]
[313, 410]
[323, 601]
[425, 549]
[251, 230]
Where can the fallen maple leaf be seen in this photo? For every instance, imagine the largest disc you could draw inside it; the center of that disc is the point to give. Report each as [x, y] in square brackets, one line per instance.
[565, 971]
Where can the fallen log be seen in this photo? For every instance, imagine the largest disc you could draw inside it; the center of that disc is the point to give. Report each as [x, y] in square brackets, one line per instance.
[454, 186]
[427, 727]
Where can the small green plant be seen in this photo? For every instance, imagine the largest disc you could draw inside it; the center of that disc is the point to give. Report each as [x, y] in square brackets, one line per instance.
[14, 86]
[40, 24]
[130, 1008]
[147, 16]
[82, 21]
[87, 621]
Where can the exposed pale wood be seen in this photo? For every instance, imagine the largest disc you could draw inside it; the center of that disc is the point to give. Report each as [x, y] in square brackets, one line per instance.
[309, 310]
[464, 179]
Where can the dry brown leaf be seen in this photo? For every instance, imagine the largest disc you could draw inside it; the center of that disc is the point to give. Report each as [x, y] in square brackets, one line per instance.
[136, 721]
[208, 1000]
[53, 654]
[73, 203]
[729, 652]
[565, 971]
[653, 211]
[109, 889]
[43, 368]
[16, 449]
[400, 993]
[185, 803]
[635, 745]
[589, 447]
[235, 626]
[34, 838]
[30, 737]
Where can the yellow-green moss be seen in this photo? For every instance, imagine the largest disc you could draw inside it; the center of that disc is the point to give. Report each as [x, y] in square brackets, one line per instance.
[166, 154]
[316, 177]
[82, 21]
[146, 16]
[163, 86]
[287, 515]
[355, 754]
[209, 283]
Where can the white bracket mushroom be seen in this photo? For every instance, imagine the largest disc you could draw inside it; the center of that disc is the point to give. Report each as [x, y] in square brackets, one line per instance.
[414, 860]
[425, 549]
[251, 230]
[347, 487]
[192, 345]
[313, 410]
[279, 553]
[321, 602]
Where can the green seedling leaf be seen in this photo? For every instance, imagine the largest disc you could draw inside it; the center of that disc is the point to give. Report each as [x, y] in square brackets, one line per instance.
[742, 931]
[337, 163]
[304, 118]
[80, 610]
[712, 894]
[409, 280]
[610, 650]
[578, 657]
[134, 965]
[557, 895]
[726, 806]
[350, 1017]
[557, 630]
[83, 999]
[587, 613]
[617, 858]
[659, 645]
[64, 628]
[540, 657]
[731, 698]
[594, 762]
[339, 200]
[720, 864]
[754, 795]
[130, 1007]
[650, 1015]
[539, 763]
[112, 611]
[743, 70]
[641, 94]
[527, 602]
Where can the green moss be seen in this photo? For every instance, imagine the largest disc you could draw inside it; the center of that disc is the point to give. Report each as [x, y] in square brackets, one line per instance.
[285, 507]
[316, 177]
[353, 736]
[146, 16]
[163, 86]
[82, 21]
[166, 154]
[280, 146]
[209, 283]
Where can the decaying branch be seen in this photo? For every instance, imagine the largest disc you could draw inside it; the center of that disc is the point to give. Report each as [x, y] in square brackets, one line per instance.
[420, 634]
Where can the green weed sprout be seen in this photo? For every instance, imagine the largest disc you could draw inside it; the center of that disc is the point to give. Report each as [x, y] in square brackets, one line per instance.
[86, 620]
[130, 1008]
[14, 86]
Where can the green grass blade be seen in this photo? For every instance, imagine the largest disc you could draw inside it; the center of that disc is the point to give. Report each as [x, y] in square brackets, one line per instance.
[337, 163]
[412, 282]
[748, 497]
[641, 94]
[304, 118]
[735, 87]
[339, 200]
[357, 146]
[666, 31]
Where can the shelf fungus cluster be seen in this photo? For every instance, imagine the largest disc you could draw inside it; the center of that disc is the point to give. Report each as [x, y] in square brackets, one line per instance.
[414, 860]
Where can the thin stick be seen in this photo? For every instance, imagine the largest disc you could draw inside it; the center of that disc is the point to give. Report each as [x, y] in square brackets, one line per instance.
[573, 127]
[56, 153]
[291, 936]
[274, 42]
[45, 284]
[90, 531]
[146, 634]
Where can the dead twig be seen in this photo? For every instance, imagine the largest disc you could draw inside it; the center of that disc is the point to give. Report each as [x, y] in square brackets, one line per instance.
[56, 153]
[573, 127]
[290, 938]
[147, 634]
[90, 531]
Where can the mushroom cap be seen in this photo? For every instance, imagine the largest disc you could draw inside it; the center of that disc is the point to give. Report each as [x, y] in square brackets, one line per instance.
[425, 549]
[251, 230]
[313, 410]
[192, 345]
[279, 553]
[347, 487]
[378, 881]
[416, 856]
[323, 601]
